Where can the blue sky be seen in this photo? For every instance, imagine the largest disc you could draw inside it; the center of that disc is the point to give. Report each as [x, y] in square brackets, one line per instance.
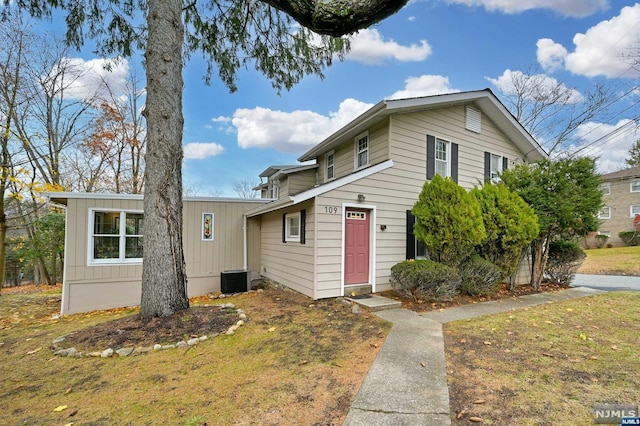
[429, 47]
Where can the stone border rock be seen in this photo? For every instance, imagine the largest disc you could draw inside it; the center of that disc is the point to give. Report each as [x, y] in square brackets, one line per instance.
[130, 351]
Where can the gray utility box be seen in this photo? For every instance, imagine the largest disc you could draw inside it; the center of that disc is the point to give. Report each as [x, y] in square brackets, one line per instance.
[234, 281]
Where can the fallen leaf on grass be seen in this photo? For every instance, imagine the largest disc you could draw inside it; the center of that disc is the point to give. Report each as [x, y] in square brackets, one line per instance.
[423, 364]
[34, 351]
[68, 391]
[476, 419]
[272, 329]
[460, 414]
[548, 354]
[614, 347]
[479, 401]
[486, 342]
[60, 408]
[303, 362]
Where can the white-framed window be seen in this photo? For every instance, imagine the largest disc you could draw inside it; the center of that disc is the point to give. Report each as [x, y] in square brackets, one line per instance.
[474, 120]
[292, 227]
[606, 233]
[604, 213]
[635, 210]
[635, 186]
[362, 150]
[443, 157]
[115, 236]
[421, 250]
[496, 166]
[329, 166]
[274, 188]
[605, 188]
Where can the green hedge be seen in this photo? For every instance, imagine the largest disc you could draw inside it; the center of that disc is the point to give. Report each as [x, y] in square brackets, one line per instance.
[630, 238]
[479, 277]
[565, 257]
[425, 279]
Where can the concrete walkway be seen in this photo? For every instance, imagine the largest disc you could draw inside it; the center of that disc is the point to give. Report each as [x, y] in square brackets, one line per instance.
[407, 383]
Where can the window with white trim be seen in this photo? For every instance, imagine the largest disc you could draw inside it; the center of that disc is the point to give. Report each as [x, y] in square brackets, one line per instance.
[496, 167]
[605, 188]
[635, 186]
[115, 236]
[604, 213]
[292, 227]
[330, 166]
[362, 150]
[442, 158]
[606, 233]
[635, 210]
[274, 188]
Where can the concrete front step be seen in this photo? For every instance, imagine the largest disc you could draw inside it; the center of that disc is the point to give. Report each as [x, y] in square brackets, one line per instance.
[375, 303]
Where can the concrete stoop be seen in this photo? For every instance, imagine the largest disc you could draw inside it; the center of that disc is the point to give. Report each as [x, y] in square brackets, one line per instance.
[374, 303]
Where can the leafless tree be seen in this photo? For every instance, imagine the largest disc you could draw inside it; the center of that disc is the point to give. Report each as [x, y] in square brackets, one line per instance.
[244, 188]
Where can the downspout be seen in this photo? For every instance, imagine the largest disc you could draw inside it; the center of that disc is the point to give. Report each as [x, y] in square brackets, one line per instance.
[244, 242]
[65, 285]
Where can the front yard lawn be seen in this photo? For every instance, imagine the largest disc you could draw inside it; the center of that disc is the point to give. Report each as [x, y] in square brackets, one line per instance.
[612, 261]
[546, 365]
[295, 362]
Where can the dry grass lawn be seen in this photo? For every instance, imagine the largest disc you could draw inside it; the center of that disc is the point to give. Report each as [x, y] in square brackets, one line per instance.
[546, 365]
[612, 261]
[296, 362]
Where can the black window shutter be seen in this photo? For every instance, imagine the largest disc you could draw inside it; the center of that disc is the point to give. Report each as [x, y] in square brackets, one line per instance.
[431, 156]
[487, 166]
[454, 162]
[411, 239]
[505, 163]
[284, 228]
[303, 226]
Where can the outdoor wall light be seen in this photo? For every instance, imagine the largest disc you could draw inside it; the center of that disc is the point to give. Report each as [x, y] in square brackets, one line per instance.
[383, 227]
[361, 197]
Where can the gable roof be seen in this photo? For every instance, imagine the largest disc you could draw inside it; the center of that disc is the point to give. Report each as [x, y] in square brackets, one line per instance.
[632, 172]
[484, 99]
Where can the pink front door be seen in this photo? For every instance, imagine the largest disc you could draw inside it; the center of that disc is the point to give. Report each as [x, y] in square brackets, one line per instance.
[356, 247]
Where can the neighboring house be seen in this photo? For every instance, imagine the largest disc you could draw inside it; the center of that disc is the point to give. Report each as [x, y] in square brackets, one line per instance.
[329, 227]
[621, 198]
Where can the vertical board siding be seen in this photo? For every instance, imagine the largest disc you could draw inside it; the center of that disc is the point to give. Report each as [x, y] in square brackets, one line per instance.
[106, 286]
[291, 263]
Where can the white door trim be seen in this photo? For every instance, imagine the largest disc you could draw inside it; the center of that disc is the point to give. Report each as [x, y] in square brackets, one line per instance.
[372, 243]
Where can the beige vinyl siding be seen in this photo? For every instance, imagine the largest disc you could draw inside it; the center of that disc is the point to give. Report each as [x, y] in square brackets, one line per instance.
[90, 287]
[408, 143]
[284, 187]
[290, 264]
[302, 181]
[392, 198]
[344, 161]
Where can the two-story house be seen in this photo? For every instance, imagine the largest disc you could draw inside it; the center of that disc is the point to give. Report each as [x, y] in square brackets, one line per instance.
[332, 225]
[344, 233]
[621, 197]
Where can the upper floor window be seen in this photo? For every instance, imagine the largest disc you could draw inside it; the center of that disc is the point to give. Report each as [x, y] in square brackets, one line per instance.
[605, 188]
[635, 186]
[116, 236]
[604, 213]
[362, 150]
[330, 167]
[274, 188]
[442, 157]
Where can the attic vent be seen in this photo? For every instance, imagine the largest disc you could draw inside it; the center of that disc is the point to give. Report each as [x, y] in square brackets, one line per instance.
[473, 120]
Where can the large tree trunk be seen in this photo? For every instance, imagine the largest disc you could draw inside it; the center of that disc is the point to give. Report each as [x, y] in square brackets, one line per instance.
[164, 281]
[540, 253]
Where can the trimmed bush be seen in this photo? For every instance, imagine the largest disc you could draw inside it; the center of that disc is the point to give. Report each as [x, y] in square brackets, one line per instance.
[425, 279]
[630, 238]
[601, 240]
[479, 277]
[448, 221]
[565, 257]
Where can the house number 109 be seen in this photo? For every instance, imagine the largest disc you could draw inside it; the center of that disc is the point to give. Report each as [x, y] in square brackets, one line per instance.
[331, 209]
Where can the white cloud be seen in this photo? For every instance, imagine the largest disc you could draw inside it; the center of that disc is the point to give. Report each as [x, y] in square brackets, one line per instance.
[425, 85]
[85, 80]
[294, 131]
[600, 50]
[200, 150]
[538, 85]
[574, 8]
[610, 143]
[221, 119]
[369, 47]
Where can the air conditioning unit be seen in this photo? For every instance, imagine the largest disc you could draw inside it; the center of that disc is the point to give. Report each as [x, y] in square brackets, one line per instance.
[234, 281]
